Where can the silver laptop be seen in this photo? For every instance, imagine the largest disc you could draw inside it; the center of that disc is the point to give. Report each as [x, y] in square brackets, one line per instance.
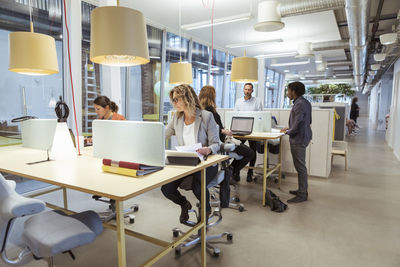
[242, 125]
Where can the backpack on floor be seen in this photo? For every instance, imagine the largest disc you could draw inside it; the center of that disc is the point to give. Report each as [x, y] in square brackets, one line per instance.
[274, 202]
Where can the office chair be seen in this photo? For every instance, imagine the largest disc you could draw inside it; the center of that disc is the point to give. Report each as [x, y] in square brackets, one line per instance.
[214, 219]
[45, 234]
[111, 213]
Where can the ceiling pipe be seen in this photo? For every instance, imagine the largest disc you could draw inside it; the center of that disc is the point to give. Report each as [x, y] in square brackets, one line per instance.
[338, 63]
[295, 7]
[357, 12]
[330, 45]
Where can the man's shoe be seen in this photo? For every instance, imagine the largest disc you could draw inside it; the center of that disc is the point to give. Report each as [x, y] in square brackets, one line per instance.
[295, 192]
[297, 199]
[184, 217]
[249, 178]
[236, 177]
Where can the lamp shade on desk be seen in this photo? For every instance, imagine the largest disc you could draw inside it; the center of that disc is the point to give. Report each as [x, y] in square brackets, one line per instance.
[118, 37]
[244, 69]
[32, 53]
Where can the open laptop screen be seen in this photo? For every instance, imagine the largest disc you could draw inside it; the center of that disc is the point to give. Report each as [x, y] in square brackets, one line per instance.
[242, 124]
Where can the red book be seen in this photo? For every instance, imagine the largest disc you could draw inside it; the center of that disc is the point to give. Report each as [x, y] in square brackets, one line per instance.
[129, 165]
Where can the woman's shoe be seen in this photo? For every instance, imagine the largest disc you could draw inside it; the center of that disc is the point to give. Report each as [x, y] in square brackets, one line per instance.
[184, 217]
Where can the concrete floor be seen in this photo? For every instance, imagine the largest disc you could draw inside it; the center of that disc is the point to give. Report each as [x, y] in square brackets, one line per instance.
[351, 219]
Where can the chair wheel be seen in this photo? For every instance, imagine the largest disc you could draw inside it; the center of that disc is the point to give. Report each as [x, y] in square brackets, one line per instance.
[131, 220]
[216, 254]
[175, 233]
[236, 199]
[241, 208]
[177, 251]
[135, 208]
[229, 237]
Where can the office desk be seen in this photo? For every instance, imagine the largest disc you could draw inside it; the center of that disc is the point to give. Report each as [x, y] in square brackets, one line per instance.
[84, 174]
[264, 137]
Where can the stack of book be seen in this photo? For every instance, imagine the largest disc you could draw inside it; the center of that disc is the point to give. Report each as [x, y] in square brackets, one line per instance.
[128, 168]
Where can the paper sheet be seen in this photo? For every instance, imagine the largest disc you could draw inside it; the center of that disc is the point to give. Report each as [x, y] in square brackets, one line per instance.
[191, 148]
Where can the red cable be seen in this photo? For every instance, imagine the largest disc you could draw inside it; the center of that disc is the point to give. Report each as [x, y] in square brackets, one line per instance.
[70, 75]
[212, 32]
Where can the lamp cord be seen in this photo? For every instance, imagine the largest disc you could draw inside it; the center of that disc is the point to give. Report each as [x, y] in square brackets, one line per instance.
[180, 31]
[70, 75]
[212, 31]
[30, 16]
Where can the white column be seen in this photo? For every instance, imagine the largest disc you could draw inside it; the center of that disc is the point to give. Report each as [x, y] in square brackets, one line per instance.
[261, 81]
[74, 12]
[111, 83]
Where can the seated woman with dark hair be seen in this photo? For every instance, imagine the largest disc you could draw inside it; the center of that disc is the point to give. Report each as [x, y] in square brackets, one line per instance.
[207, 101]
[190, 124]
[106, 109]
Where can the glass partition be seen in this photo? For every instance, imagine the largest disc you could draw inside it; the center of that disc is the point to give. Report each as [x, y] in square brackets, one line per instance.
[217, 74]
[200, 55]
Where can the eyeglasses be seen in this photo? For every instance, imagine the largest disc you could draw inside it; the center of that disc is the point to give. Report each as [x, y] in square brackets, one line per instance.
[175, 99]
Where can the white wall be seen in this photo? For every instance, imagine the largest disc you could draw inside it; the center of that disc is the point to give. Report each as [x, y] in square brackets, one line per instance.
[394, 123]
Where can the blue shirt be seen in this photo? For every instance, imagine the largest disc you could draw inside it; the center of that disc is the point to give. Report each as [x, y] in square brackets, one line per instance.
[299, 122]
[253, 104]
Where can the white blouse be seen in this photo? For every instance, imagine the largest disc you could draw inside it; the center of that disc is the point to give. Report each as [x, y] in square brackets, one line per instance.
[188, 134]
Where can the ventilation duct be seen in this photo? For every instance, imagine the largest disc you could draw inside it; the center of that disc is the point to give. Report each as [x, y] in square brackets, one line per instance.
[270, 12]
[330, 45]
[357, 12]
[338, 63]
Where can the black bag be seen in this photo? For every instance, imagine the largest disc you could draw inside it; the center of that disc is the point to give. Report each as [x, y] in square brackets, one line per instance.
[274, 149]
[274, 202]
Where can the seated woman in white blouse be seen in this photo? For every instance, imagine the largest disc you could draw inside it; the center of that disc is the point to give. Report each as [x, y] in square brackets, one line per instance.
[191, 125]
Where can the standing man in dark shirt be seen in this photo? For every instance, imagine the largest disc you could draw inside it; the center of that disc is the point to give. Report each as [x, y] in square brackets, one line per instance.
[355, 109]
[300, 135]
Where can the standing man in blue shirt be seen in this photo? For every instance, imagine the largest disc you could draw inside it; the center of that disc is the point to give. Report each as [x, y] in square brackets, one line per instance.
[249, 103]
[300, 135]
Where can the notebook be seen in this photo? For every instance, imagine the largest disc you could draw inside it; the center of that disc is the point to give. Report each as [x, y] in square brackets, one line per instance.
[242, 125]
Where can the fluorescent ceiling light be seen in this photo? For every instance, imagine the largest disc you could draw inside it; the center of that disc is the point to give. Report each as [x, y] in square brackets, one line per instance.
[295, 63]
[286, 71]
[220, 21]
[285, 54]
[256, 43]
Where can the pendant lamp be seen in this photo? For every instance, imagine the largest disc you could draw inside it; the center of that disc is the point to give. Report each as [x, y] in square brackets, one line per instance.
[180, 72]
[118, 36]
[32, 53]
[244, 69]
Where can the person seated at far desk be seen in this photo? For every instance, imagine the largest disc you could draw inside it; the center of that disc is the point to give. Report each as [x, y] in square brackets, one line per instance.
[190, 124]
[105, 110]
[207, 100]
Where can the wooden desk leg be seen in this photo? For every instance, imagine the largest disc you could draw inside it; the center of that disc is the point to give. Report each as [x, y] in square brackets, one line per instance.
[121, 233]
[65, 198]
[203, 217]
[265, 170]
[280, 162]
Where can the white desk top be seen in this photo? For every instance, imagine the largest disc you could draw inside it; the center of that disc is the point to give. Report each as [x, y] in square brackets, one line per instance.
[260, 136]
[84, 173]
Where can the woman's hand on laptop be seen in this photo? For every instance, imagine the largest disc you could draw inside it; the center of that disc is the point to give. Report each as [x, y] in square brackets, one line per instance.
[226, 132]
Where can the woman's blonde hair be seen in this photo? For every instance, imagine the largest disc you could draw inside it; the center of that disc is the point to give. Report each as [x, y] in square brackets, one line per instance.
[207, 97]
[188, 96]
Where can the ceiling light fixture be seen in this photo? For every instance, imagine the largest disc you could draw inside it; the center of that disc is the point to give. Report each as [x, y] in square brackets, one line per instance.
[388, 38]
[32, 53]
[255, 43]
[375, 66]
[269, 17]
[118, 36]
[180, 72]
[244, 69]
[284, 54]
[318, 58]
[220, 21]
[304, 50]
[379, 57]
[295, 63]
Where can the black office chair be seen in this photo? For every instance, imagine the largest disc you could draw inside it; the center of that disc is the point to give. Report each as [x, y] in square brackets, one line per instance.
[111, 213]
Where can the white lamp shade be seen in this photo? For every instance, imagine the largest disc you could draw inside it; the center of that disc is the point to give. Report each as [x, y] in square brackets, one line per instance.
[269, 17]
[372, 72]
[304, 50]
[388, 38]
[379, 57]
[321, 66]
[32, 53]
[244, 69]
[180, 73]
[318, 58]
[63, 147]
[375, 66]
[118, 37]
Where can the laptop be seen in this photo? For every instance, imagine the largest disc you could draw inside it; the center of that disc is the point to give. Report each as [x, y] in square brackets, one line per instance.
[242, 125]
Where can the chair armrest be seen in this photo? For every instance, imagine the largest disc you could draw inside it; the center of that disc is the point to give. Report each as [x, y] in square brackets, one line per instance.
[19, 206]
[12, 184]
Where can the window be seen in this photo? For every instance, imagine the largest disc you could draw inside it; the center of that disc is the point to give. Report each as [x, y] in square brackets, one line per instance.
[200, 56]
[176, 48]
[217, 74]
[25, 94]
[272, 88]
[230, 87]
[144, 104]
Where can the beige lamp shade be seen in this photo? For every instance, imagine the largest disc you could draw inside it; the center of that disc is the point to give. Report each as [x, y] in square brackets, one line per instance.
[180, 73]
[118, 37]
[32, 53]
[244, 69]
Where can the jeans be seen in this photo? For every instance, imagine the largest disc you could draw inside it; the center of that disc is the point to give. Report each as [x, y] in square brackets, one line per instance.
[299, 160]
[247, 153]
[171, 191]
[252, 145]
